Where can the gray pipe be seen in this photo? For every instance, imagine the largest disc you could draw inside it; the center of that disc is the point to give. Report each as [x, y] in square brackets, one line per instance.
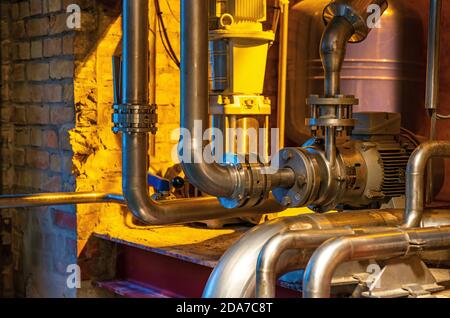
[415, 175]
[394, 243]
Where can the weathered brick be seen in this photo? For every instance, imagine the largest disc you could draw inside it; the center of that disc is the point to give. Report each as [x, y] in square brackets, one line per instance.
[52, 93]
[58, 24]
[38, 159]
[52, 184]
[24, 9]
[54, 5]
[35, 7]
[61, 69]
[67, 163]
[18, 72]
[22, 137]
[21, 93]
[50, 139]
[64, 138]
[63, 219]
[38, 71]
[36, 49]
[55, 163]
[38, 115]
[37, 26]
[18, 115]
[67, 45]
[23, 50]
[62, 115]
[52, 47]
[18, 29]
[19, 157]
[14, 10]
[37, 93]
[36, 137]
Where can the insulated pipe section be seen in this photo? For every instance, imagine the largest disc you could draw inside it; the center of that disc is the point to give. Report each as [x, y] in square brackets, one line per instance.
[394, 243]
[415, 175]
[49, 199]
[236, 184]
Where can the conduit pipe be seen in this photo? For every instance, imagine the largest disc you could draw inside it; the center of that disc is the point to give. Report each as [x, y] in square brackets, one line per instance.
[415, 175]
[393, 243]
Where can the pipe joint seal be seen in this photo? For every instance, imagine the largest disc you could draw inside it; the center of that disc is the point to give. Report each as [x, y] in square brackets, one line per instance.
[135, 118]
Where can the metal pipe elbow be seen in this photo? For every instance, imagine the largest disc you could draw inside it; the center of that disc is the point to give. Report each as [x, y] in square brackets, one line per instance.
[415, 174]
[332, 52]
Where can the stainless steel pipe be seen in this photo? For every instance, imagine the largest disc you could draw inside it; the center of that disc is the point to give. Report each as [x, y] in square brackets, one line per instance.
[49, 199]
[393, 243]
[266, 268]
[434, 36]
[415, 175]
[332, 53]
[225, 181]
[235, 275]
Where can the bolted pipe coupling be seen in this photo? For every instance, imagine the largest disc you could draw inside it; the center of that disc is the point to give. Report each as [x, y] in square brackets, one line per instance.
[133, 118]
[252, 186]
[304, 164]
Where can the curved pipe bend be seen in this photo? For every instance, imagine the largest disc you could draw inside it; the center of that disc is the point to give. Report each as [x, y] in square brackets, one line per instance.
[334, 252]
[415, 175]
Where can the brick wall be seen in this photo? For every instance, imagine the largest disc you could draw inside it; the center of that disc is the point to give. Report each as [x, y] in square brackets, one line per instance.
[56, 133]
[38, 61]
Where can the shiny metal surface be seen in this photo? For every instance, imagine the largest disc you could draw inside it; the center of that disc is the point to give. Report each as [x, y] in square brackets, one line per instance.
[390, 62]
[48, 199]
[217, 180]
[434, 37]
[235, 276]
[415, 175]
[393, 243]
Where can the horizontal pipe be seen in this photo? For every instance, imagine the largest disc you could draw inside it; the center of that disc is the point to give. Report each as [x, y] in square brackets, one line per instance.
[235, 275]
[267, 268]
[49, 199]
[394, 243]
[415, 175]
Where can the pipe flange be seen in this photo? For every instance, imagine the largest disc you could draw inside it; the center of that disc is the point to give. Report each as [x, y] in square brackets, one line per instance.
[252, 187]
[301, 193]
[132, 118]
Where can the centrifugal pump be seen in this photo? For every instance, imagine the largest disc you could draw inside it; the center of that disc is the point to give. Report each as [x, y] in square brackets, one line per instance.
[354, 160]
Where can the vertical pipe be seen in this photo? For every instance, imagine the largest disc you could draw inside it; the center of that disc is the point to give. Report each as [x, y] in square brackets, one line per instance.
[434, 30]
[432, 90]
[135, 80]
[282, 70]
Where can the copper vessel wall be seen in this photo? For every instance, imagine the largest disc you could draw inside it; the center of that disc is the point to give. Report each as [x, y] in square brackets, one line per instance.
[385, 72]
